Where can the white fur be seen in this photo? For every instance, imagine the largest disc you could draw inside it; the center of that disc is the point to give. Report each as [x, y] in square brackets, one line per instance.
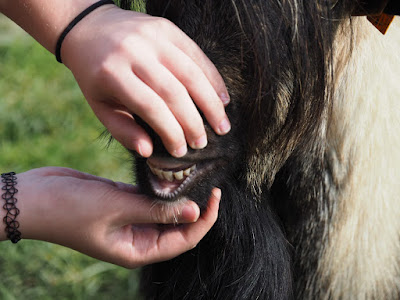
[362, 245]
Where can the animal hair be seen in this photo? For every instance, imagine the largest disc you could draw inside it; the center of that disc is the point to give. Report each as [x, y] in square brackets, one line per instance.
[308, 173]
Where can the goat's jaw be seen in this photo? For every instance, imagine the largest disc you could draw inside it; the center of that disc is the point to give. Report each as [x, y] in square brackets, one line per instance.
[169, 179]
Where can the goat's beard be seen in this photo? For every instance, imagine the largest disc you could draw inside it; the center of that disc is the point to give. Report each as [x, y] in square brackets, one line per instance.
[245, 237]
[246, 230]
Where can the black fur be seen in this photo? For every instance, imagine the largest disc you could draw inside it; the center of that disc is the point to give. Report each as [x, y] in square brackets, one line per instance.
[275, 57]
[240, 258]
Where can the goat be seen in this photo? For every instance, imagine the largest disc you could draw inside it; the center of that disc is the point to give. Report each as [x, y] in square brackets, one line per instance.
[309, 171]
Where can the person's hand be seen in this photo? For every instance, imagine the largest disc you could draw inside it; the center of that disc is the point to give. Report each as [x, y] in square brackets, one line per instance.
[107, 220]
[127, 62]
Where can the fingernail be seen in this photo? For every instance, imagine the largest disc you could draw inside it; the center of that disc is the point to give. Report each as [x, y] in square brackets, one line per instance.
[181, 151]
[224, 98]
[139, 150]
[144, 149]
[224, 127]
[200, 143]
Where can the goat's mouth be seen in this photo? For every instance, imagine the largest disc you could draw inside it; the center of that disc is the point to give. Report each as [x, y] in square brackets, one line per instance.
[169, 179]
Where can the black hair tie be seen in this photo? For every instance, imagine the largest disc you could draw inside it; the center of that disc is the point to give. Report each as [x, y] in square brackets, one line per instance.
[74, 22]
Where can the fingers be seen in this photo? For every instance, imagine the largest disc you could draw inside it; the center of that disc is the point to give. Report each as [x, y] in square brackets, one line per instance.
[161, 98]
[190, 48]
[177, 240]
[198, 85]
[123, 127]
[176, 96]
[144, 243]
[165, 79]
[145, 102]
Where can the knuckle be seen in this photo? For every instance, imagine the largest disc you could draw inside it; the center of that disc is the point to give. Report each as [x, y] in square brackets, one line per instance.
[145, 29]
[154, 27]
[172, 93]
[125, 45]
[121, 44]
[193, 79]
[104, 71]
[162, 24]
[215, 109]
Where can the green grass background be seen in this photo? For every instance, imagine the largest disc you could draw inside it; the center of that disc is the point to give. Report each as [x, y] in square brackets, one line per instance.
[45, 121]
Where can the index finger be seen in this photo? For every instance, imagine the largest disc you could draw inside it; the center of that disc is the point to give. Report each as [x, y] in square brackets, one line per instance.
[205, 64]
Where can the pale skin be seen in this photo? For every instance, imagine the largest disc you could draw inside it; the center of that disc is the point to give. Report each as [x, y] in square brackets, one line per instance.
[125, 63]
[106, 220]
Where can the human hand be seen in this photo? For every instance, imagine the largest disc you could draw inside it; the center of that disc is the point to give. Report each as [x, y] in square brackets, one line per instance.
[107, 220]
[127, 62]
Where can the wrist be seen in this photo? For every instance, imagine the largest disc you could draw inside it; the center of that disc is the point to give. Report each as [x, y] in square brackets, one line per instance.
[9, 191]
[3, 235]
[33, 203]
[74, 23]
[84, 31]
[27, 217]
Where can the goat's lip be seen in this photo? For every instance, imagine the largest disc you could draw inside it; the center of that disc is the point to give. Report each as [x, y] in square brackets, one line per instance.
[170, 177]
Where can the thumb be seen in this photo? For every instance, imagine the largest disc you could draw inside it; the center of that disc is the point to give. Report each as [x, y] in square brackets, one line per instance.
[139, 209]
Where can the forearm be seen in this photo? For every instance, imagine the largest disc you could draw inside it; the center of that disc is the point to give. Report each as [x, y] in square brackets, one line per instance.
[44, 20]
[128, 63]
[105, 219]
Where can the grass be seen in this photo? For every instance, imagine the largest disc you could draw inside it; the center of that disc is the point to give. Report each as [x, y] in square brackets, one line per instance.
[137, 5]
[44, 120]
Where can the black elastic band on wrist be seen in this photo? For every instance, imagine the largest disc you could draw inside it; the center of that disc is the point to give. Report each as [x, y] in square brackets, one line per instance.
[10, 180]
[74, 22]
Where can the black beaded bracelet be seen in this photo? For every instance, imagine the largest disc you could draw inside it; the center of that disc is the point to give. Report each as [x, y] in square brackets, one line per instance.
[74, 22]
[12, 225]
